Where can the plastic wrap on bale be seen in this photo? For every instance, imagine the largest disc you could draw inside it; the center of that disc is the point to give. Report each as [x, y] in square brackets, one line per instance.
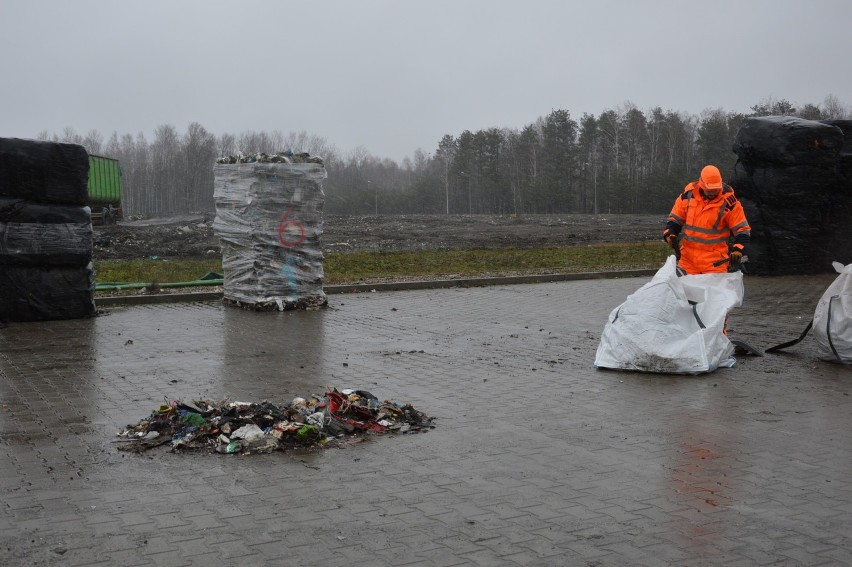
[845, 127]
[37, 293]
[786, 140]
[44, 235]
[46, 172]
[269, 220]
[784, 185]
[844, 161]
[796, 176]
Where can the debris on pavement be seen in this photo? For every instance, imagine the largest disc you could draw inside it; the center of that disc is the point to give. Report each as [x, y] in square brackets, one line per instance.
[228, 427]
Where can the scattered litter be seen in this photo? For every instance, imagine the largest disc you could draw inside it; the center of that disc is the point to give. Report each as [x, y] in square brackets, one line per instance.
[339, 418]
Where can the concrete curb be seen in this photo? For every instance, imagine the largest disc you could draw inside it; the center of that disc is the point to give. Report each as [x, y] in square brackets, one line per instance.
[126, 300]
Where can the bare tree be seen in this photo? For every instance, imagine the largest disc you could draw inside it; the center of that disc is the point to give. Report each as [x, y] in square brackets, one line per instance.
[69, 136]
[166, 179]
[93, 142]
[226, 145]
[810, 112]
[199, 152]
[833, 109]
[113, 146]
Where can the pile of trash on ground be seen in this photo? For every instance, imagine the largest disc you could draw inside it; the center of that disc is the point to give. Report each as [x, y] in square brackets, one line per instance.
[243, 427]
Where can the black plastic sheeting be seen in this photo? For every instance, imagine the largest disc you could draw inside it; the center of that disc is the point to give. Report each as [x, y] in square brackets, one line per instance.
[46, 172]
[786, 140]
[844, 164]
[45, 232]
[24, 211]
[786, 185]
[45, 244]
[46, 293]
[44, 235]
[845, 127]
[794, 178]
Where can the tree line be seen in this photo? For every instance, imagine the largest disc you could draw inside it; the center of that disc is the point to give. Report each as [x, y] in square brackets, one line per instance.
[624, 160]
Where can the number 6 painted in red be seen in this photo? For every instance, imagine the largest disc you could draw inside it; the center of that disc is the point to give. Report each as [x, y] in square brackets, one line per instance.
[282, 228]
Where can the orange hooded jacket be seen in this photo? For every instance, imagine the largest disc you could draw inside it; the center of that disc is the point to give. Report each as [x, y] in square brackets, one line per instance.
[705, 227]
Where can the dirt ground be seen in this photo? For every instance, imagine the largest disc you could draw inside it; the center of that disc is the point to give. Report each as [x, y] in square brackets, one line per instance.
[192, 236]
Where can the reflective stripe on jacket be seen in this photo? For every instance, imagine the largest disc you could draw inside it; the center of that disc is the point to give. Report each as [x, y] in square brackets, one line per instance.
[706, 226]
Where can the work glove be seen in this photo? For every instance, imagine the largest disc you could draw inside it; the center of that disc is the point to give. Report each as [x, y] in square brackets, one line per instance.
[671, 239]
[736, 256]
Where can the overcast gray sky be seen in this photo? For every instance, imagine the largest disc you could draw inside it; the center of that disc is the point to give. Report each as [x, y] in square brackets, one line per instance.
[395, 76]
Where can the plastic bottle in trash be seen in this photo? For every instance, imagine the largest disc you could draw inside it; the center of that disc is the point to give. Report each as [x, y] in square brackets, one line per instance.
[232, 447]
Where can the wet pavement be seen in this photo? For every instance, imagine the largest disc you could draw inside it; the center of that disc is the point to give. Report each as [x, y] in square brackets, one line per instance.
[537, 458]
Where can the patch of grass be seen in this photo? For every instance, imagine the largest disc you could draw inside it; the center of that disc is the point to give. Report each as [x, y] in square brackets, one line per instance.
[343, 267]
[354, 267]
[159, 271]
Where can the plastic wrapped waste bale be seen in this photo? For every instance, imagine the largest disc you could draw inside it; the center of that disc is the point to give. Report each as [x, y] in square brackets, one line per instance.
[838, 237]
[43, 234]
[793, 239]
[792, 185]
[269, 220]
[758, 249]
[273, 277]
[24, 211]
[844, 171]
[797, 176]
[786, 140]
[844, 162]
[840, 228]
[832, 326]
[45, 172]
[797, 244]
[672, 325]
[36, 293]
[799, 216]
[845, 127]
[744, 186]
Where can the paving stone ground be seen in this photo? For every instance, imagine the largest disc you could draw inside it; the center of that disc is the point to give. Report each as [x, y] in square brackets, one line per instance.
[537, 458]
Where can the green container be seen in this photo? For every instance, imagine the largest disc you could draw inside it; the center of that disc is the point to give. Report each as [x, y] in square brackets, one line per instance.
[104, 182]
[105, 190]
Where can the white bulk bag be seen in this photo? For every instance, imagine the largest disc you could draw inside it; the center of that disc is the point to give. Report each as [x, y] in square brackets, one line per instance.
[833, 318]
[672, 324]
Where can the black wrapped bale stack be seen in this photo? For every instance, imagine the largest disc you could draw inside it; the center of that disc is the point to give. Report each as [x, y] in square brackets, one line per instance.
[44, 172]
[796, 196]
[44, 235]
[786, 140]
[839, 211]
[39, 293]
[45, 232]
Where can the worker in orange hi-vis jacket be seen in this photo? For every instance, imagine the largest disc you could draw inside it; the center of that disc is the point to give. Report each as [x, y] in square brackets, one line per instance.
[702, 222]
